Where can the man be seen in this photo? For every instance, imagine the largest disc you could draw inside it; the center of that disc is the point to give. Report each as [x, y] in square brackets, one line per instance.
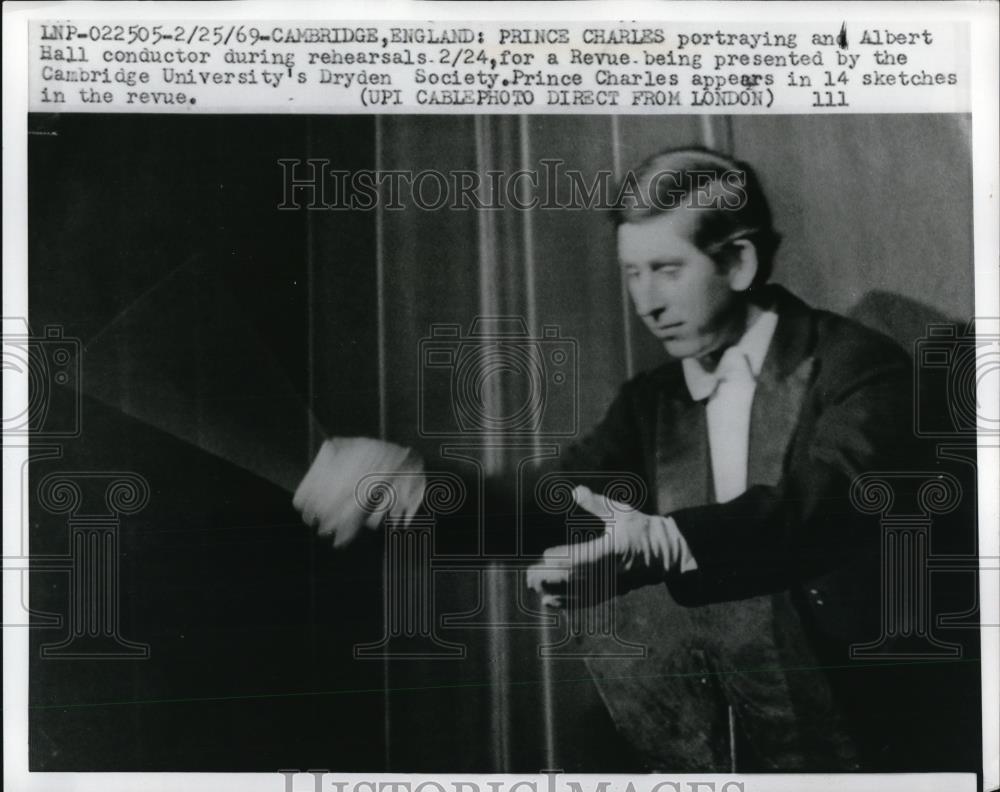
[745, 571]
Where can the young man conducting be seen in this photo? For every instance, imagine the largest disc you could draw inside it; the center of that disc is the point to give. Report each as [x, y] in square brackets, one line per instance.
[746, 572]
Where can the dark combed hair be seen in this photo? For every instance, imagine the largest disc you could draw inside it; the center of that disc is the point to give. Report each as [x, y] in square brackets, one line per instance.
[725, 192]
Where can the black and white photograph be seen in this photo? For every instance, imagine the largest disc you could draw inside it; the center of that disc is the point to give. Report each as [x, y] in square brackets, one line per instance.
[474, 443]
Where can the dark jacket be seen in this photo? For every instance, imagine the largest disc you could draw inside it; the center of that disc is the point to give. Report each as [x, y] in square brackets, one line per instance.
[747, 662]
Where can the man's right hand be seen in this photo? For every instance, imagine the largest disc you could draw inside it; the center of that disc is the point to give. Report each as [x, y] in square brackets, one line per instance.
[331, 500]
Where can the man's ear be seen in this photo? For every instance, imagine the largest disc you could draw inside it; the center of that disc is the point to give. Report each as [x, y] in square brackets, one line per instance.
[742, 264]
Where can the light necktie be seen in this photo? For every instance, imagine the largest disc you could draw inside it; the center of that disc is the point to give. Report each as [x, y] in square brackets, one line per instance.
[729, 405]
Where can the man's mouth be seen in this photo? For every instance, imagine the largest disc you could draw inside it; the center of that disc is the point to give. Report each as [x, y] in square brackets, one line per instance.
[667, 330]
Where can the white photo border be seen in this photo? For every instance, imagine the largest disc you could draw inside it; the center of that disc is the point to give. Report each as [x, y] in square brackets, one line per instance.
[984, 95]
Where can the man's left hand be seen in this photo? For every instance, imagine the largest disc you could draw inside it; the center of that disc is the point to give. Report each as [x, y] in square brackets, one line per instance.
[634, 550]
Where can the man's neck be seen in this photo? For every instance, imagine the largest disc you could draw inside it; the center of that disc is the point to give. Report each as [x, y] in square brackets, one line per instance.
[743, 319]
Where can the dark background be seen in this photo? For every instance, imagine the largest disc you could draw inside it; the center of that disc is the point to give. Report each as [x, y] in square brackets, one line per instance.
[156, 241]
[246, 614]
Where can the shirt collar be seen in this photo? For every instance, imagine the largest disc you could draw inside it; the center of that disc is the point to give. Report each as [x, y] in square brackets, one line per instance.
[753, 345]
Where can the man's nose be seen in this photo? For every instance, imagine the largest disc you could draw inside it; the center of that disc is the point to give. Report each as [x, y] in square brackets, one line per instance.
[648, 303]
[656, 312]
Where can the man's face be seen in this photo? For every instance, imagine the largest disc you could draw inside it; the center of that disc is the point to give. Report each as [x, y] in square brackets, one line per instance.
[680, 293]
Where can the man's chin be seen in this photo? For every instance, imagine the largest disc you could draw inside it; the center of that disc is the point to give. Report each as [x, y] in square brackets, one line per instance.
[680, 348]
[698, 347]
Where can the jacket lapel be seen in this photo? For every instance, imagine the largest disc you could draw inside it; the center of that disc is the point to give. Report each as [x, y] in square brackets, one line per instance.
[781, 388]
[681, 468]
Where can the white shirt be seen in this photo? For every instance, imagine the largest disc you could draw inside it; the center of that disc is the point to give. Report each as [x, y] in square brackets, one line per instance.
[730, 390]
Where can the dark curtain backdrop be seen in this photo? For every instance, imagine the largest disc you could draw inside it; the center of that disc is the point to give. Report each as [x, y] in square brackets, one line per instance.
[156, 240]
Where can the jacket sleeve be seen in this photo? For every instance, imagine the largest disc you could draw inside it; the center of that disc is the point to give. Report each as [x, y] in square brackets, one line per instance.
[614, 444]
[806, 525]
[610, 452]
[597, 460]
